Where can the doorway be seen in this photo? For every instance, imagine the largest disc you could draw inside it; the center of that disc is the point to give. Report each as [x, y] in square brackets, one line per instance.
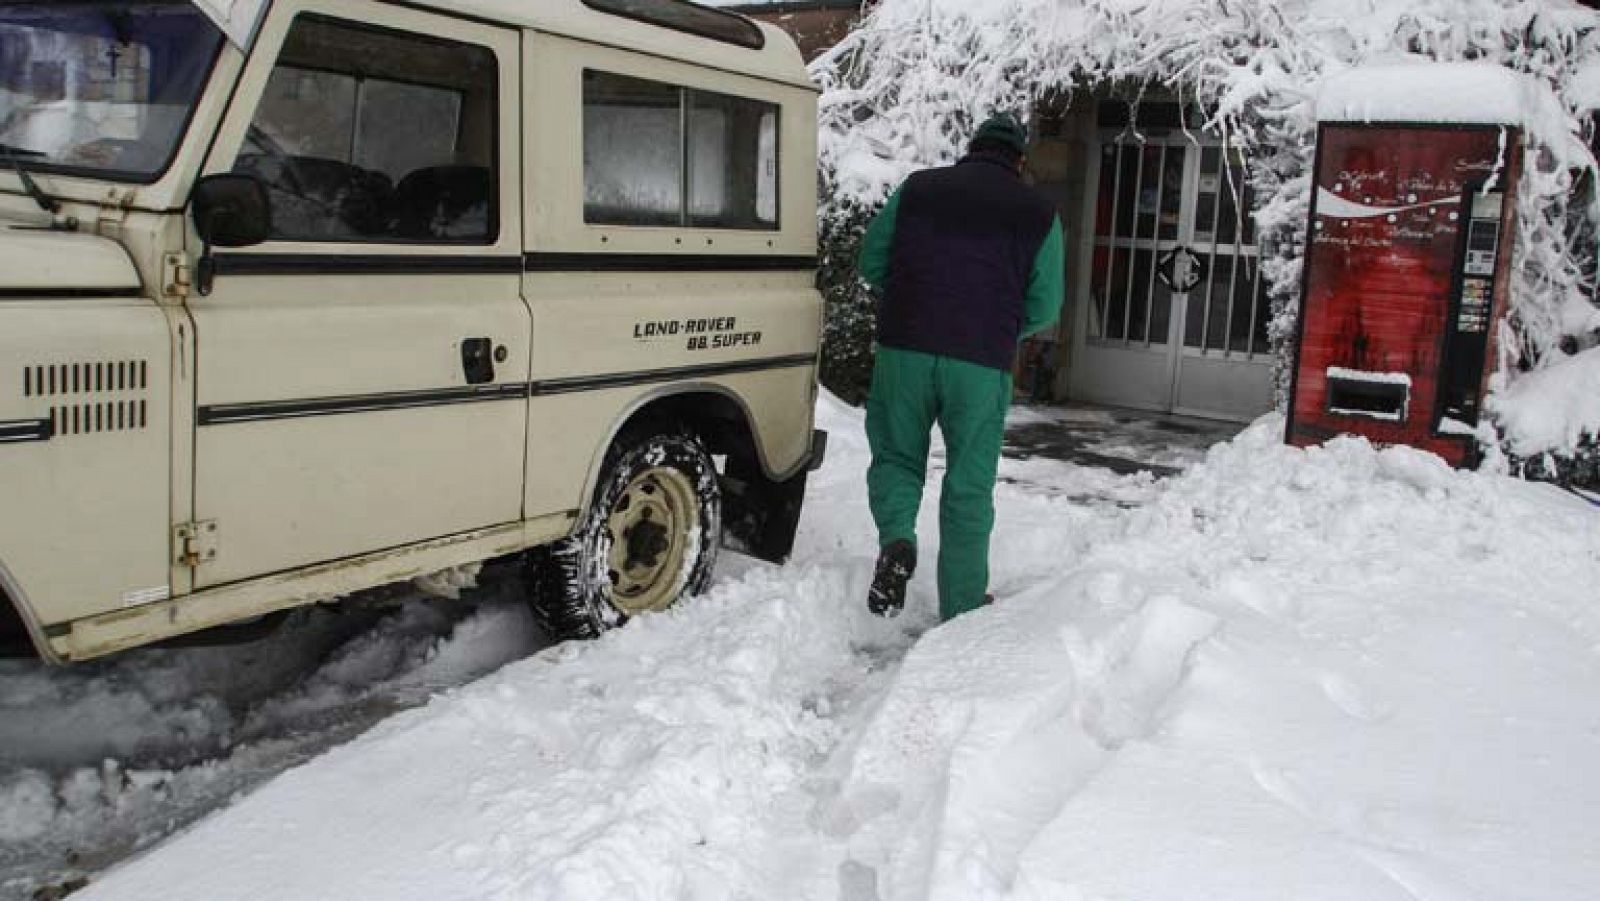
[1172, 310]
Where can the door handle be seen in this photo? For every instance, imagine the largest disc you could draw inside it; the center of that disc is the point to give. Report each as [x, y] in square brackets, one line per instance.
[477, 360]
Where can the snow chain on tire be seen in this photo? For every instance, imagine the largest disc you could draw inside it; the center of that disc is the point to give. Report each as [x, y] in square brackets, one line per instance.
[649, 537]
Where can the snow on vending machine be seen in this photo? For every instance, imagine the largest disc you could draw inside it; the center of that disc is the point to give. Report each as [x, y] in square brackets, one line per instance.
[1407, 266]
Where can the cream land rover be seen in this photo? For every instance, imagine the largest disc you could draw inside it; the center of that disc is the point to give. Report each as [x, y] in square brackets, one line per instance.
[304, 297]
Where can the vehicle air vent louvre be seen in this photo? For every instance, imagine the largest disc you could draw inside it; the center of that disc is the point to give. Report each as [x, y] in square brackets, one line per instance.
[124, 411]
[59, 379]
[87, 419]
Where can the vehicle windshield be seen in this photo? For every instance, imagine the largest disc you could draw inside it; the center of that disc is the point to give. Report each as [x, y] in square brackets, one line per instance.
[100, 88]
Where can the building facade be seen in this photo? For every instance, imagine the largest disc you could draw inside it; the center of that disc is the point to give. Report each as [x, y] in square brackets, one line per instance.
[816, 25]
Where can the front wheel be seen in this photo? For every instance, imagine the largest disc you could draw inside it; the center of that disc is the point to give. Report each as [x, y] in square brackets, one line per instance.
[649, 538]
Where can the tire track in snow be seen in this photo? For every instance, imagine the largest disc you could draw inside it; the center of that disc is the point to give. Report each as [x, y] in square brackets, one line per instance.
[121, 753]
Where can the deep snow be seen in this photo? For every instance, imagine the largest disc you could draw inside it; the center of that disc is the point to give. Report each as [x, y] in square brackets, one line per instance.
[1333, 673]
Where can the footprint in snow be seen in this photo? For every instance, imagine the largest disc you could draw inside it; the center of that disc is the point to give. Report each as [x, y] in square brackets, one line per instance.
[1352, 699]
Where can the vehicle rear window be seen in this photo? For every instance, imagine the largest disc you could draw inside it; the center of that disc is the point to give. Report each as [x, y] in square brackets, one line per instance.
[686, 17]
[657, 154]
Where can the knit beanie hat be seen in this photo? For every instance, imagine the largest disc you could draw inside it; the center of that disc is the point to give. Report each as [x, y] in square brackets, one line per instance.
[1003, 128]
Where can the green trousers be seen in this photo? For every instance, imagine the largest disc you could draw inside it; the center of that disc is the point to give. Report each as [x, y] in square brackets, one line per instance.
[910, 392]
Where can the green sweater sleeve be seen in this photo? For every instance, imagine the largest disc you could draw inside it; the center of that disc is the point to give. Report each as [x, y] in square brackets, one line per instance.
[875, 246]
[1047, 285]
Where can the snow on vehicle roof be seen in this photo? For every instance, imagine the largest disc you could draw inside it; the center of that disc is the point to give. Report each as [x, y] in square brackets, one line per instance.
[1416, 91]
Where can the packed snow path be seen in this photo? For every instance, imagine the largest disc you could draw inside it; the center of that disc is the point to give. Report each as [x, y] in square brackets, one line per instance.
[1325, 674]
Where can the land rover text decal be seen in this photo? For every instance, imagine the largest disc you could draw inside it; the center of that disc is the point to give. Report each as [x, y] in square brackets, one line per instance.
[716, 333]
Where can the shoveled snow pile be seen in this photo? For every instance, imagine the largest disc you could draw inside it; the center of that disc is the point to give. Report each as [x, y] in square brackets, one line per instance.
[1334, 673]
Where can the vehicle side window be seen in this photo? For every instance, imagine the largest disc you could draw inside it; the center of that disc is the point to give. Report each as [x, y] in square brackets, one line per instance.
[632, 151]
[733, 162]
[371, 135]
[662, 155]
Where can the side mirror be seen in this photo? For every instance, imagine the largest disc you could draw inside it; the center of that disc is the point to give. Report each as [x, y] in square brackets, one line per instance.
[230, 210]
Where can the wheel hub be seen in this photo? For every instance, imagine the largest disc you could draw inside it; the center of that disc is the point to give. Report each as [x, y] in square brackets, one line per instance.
[649, 526]
[647, 541]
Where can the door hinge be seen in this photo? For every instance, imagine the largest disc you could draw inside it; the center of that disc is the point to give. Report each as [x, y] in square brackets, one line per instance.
[196, 542]
[175, 276]
[113, 211]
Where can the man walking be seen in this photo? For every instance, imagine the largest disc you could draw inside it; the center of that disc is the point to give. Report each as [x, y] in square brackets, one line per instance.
[967, 261]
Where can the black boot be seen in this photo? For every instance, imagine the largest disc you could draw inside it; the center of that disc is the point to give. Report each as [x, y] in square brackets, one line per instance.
[896, 562]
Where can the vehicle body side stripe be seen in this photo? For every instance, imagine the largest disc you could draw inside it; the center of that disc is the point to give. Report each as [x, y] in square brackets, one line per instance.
[652, 376]
[666, 262]
[67, 293]
[17, 431]
[223, 414]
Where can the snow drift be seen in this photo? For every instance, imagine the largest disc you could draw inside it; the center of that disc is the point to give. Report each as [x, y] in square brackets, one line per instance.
[1316, 674]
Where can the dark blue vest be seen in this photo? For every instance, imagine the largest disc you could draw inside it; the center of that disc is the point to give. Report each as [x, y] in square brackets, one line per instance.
[965, 240]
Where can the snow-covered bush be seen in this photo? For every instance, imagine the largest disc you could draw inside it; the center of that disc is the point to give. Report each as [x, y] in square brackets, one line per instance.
[847, 331]
[906, 89]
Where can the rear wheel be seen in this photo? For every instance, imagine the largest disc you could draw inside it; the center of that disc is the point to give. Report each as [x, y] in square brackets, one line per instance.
[649, 538]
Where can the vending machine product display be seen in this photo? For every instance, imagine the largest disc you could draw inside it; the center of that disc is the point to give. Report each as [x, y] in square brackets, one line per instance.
[1405, 283]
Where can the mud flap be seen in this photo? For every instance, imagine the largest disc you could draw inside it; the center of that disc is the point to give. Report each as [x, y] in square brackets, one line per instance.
[760, 516]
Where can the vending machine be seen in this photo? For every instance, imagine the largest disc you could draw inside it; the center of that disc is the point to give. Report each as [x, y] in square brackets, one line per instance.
[1406, 275]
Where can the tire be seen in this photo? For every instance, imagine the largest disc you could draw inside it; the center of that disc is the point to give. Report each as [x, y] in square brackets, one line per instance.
[649, 538]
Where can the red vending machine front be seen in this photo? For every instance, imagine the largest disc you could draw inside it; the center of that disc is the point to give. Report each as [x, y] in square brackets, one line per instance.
[1405, 283]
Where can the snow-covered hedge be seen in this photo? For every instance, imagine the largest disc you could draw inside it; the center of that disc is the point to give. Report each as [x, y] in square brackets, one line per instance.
[906, 89]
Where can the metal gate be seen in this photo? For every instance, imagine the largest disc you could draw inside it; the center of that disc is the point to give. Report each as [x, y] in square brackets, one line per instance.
[1172, 309]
